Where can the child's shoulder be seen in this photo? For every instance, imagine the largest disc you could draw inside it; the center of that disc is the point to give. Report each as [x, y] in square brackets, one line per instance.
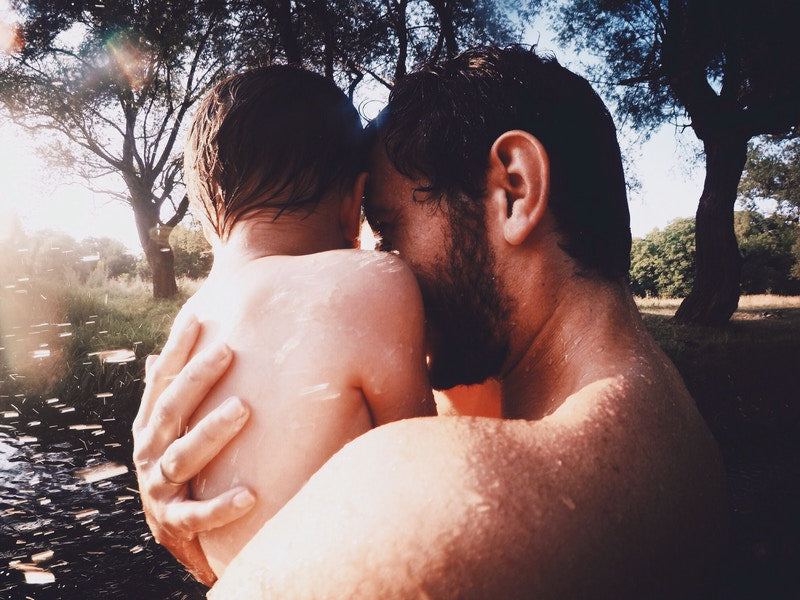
[369, 271]
[360, 279]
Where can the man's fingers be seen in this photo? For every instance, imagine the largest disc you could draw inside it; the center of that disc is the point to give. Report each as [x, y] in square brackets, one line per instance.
[181, 340]
[161, 368]
[191, 517]
[179, 401]
[187, 456]
[148, 397]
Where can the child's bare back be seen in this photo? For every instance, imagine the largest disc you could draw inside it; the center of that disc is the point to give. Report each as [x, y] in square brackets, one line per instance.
[332, 336]
[334, 340]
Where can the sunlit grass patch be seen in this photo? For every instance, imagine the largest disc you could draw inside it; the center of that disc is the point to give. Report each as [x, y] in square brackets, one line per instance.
[55, 336]
[768, 302]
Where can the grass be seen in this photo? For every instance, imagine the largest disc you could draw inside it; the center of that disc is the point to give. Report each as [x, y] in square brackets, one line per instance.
[745, 378]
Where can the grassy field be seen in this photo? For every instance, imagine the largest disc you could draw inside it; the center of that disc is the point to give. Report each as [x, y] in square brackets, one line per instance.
[745, 378]
[56, 378]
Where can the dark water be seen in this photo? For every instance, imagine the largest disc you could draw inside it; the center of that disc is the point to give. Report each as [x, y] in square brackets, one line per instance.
[72, 525]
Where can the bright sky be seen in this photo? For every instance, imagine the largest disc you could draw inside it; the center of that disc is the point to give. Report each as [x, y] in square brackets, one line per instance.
[670, 179]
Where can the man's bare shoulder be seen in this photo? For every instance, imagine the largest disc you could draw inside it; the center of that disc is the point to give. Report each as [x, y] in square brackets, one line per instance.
[597, 498]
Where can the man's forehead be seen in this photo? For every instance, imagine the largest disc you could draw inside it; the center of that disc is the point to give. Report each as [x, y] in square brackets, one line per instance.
[386, 184]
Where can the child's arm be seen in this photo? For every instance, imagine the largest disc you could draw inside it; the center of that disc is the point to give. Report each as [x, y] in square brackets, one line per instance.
[392, 365]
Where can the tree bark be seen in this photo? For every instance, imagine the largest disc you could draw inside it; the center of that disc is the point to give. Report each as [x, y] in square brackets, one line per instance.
[444, 13]
[154, 238]
[715, 293]
[282, 13]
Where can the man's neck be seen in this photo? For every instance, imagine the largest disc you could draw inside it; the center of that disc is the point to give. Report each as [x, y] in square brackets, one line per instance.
[583, 332]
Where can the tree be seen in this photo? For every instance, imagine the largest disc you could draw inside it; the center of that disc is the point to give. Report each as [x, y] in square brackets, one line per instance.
[116, 79]
[769, 246]
[732, 67]
[772, 171]
[661, 262]
[193, 256]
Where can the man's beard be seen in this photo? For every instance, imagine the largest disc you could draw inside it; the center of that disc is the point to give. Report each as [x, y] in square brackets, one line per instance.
[465, 309]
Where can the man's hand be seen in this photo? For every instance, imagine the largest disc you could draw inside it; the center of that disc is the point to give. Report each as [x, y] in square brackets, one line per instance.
[166, 459]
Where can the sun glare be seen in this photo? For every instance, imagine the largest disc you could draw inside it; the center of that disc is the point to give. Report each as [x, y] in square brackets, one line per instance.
[129, 58]
[10, 36]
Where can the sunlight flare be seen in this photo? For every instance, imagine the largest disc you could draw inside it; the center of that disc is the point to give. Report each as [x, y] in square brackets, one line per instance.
[129, 59]
[11, 40]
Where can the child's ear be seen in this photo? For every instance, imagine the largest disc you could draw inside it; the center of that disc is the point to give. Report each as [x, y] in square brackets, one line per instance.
[350, 212]
[518, 183]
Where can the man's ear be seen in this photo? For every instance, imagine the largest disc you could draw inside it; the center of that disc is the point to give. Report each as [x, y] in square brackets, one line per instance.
[518, 182]
[350, 211]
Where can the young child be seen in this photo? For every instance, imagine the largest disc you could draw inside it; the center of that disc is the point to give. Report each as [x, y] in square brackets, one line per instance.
[332, 335]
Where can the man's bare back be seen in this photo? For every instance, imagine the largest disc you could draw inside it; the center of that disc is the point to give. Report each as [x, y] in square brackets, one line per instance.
[333, 340]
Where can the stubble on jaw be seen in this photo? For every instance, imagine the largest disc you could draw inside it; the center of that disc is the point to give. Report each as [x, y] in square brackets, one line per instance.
[466, 309]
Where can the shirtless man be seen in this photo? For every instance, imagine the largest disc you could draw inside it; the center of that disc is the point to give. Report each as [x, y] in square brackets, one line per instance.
[328, 337]
[497, 177]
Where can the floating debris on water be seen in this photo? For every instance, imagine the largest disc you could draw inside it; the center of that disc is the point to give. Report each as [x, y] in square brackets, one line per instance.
[34, 573]
[42, 556]
[39, 577]
[84, 427]
[122, 355]
[100, 472]
[86, 513]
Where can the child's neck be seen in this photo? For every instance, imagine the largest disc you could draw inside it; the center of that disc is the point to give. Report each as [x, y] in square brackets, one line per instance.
[289, 235]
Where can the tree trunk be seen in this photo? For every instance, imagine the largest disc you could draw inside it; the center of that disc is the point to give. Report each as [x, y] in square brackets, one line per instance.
[401, 31]
[282, 13]
[715, 293]
[154, 238]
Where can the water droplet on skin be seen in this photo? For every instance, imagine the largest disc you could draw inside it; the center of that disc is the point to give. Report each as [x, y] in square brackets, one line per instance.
[313, 389]
[284, 351]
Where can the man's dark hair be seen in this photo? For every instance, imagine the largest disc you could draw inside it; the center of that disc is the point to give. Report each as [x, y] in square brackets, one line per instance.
[277, 137]
[442, 120]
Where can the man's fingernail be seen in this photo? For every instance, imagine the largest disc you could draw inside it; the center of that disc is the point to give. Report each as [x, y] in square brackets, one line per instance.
[233, 409]
[243, 499]
[189, 322]
[219, 352]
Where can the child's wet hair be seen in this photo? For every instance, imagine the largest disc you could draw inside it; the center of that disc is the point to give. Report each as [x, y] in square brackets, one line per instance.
[278, 138]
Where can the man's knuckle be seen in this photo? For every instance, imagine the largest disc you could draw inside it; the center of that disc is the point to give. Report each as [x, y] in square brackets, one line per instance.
[207, 433]
[170, 464]
[139, 456]
[165, 415]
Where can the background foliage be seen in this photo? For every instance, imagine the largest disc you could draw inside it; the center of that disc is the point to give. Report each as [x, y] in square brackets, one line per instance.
[662, 261]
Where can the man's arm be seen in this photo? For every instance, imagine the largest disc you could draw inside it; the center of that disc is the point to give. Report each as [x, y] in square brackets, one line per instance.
[165, 461]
